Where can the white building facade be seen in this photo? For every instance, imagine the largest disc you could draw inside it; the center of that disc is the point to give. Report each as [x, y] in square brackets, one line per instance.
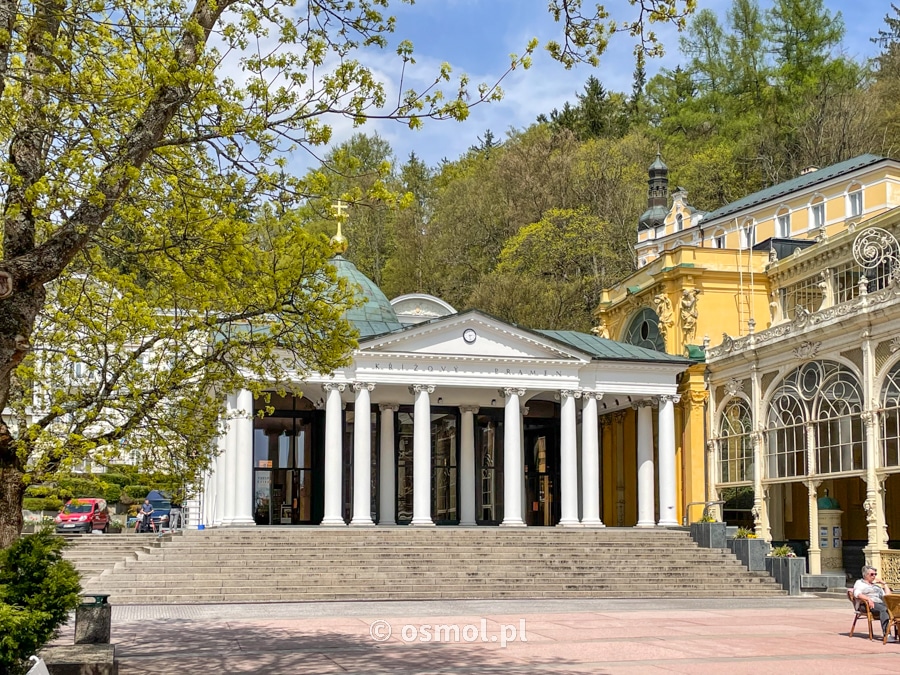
[459, 420]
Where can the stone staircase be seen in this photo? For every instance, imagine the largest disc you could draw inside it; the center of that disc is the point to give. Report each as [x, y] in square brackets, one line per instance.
[93, 554]
[305, 564]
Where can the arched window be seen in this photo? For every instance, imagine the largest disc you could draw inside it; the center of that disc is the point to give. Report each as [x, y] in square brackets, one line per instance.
[817, 212]
[735, 443]
[783, 223]
[643, 331]
[890, 418]
[679, 222]
[854, 201]
[840, 437]
[828, 395]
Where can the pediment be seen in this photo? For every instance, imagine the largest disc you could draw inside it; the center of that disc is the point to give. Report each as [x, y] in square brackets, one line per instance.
[470, 335]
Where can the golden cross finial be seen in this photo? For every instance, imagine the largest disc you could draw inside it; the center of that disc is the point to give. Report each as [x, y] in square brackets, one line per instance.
[339, 207]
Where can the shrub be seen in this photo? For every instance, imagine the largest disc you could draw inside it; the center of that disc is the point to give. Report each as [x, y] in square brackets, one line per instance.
[783, 551]
[81, 487]
[112, 492]
[38, 589]
[42, 504]
[744, 533]
[115, 478]
[136, 491]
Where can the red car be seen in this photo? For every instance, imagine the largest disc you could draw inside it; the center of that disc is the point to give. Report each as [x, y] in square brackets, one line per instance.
[83, 515]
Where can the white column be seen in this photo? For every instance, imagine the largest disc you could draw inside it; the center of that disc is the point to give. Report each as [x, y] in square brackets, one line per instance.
[218, 514]
[243, 510]
[568, 459]
[386, 471]
[513, 467]
[668, 517]
[228, 494]
[333, 452]
[467, 466]
[422, 455]
[590, 461]
[645, 488]
[362, 455]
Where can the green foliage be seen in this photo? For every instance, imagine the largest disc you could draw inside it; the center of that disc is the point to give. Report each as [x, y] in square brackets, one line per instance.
[119, 479]
[783, 551]
[136, 492]
[744, 533]
[43, 503]
[37, 591]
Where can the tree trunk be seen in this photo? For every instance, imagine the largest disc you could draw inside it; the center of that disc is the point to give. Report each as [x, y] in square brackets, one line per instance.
[12, 490]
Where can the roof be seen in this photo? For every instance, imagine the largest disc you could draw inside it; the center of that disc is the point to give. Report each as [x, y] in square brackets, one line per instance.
[653, 217]
[376, 316]
[795, 184]
[603, 349]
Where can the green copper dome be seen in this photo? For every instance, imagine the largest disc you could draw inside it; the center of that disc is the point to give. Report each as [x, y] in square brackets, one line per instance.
[376, 316]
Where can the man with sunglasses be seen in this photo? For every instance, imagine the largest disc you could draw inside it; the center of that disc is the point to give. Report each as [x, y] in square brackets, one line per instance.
[871, 590]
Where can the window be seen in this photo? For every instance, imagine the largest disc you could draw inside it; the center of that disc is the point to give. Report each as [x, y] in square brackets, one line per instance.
[890, 418]
[643, 331]
[735, 443]
[783, 225]
[718, 240]
[855, 200]
[679, 223]
[749, 235]
[817, 216]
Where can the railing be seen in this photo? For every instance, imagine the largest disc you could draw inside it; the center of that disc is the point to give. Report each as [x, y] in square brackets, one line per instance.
[890, 567]
[687, 510]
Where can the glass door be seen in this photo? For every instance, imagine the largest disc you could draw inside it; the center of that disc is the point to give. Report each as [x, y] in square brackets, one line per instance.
[541, 478]
[489, 467]
[444, 468]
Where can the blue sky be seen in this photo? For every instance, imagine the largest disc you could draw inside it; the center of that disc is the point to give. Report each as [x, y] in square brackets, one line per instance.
[477, 36]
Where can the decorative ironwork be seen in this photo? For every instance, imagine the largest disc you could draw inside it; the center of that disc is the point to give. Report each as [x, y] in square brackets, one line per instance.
[890, 567]
[874, 246]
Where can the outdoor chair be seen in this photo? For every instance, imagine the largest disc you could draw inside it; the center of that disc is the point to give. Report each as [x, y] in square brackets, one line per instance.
[861, 611]
[892, 602]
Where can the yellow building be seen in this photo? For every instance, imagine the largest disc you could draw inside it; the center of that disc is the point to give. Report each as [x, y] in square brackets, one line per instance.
[748, 268]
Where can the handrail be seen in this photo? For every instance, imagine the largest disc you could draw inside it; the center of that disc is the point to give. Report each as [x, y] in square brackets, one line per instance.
[687, 509]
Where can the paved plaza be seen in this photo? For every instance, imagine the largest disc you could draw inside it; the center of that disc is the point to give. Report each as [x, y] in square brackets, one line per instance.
[785, 635]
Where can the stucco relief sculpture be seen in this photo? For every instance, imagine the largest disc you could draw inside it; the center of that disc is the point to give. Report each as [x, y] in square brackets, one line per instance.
[689, 313]
[665, 313]
[601, 330]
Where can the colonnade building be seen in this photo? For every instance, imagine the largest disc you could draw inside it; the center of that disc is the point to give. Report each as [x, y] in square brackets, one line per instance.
[447, 418]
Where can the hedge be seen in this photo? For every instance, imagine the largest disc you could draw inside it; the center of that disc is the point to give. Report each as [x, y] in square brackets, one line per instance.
[114, 478]
[136, 491]
[42, 503]
[81, 487]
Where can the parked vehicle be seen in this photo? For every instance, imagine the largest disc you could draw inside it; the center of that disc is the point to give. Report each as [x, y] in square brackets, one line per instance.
[83, 515]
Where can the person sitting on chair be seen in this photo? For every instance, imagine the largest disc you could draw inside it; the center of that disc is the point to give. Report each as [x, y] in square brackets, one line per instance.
[871, 590]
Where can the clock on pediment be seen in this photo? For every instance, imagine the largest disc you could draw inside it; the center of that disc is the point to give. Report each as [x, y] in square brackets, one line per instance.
[469, 335]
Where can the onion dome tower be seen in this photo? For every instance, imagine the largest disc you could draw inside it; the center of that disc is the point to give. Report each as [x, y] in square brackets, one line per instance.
[657, 196]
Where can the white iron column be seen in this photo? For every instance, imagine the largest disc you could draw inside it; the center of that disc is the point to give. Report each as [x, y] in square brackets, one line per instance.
[568, 457]
[645, 489]
[218, 515]
[590, 461]
[814, 552]
[422, 455]
[513, 466]
[230, 491]
[333, 452]
[362, 455]
[467, 466]
[388, 459]
[668, 517]
[243, 496]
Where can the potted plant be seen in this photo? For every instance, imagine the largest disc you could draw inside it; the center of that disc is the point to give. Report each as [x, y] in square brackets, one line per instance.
[783, 564]
[708, 533]
[750, 549]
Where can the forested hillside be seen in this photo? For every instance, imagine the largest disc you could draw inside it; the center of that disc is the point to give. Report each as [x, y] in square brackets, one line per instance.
[530, 227]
